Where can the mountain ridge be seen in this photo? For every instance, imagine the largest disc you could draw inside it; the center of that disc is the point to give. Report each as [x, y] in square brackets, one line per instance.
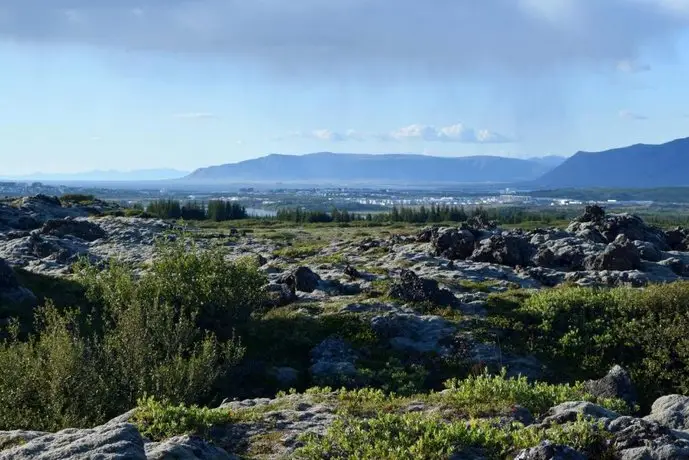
[637, 166]
[386, 167]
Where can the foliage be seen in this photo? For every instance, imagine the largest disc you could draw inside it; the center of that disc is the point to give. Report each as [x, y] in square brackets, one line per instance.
[77, 198]
[214, 210]
[159, 420]
[169, 332]
[484, 394]
[581, 332]
[424, 436]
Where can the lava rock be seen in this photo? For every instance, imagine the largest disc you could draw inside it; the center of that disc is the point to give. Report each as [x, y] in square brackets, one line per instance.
[301, 279]
[616, 384]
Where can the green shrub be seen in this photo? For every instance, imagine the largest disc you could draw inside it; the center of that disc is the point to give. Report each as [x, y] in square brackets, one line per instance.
[158, 420]
[169, 332]
[424, 436]
[581, 332]
[486, 394]
[77, 198]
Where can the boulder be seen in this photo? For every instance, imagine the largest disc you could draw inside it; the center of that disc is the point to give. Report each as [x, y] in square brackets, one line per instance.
[426, 235]
[107, 442]
[187, 448]
[549, 451]
[504, 250]
[676, 265]
[616, 384]
[82, 229]
[301, 279]
[287, 377]
[352, 272]
[333, 361]
[10, 290]
[279, 295]
[412, 332]
[639, 439]
[620, 255]
[671, 411]
[648, 251]
[570, 411]
[453, 243]
[411, 288]
[592, 213]
[678, 239]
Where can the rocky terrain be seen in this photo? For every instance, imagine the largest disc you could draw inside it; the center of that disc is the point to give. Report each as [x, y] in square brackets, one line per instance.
[420, 292]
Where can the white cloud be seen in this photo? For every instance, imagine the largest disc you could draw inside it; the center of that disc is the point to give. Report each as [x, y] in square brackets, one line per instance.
[393, 37]
[195, 116]
[629, 115]
[632, 66]
[416, 132]
[453, 133]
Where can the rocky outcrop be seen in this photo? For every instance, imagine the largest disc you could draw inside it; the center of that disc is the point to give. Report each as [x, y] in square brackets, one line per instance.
[107, 442]
[620, 255]
[616, 384]
[453, 243]
[671, 411]
[409, 331]
[82, 229]
[187, 448]
[549, 451]
[410, 288]
[507, 250]
[333, 361]
[10, 290]
[301, 279]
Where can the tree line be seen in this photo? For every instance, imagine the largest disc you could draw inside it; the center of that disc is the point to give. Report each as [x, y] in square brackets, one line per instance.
[425, 214]
[215, 210]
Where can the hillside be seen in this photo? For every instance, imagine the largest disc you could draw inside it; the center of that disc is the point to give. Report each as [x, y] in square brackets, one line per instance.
[636, 166]
[388, 168]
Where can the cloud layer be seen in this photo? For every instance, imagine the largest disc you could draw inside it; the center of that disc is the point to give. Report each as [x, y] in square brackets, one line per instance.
[398, 37]
[417, 132]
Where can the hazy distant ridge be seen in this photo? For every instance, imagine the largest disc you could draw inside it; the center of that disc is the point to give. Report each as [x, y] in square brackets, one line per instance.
[373, 168]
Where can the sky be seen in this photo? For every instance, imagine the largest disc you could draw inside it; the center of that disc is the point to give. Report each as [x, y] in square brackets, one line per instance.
[137, 84]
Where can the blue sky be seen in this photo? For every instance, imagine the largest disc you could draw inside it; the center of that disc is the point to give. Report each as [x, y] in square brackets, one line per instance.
[143, 84]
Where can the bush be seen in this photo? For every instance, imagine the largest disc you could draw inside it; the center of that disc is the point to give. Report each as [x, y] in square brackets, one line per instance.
[159, 420]
[170, 332]
[418, 435]
[77, 198]
[581, 332]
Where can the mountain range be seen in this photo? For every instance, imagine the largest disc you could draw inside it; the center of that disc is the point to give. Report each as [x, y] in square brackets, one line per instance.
[379, 168]
[636, 166]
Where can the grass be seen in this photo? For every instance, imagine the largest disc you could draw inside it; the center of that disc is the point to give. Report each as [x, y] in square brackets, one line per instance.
[300, 250]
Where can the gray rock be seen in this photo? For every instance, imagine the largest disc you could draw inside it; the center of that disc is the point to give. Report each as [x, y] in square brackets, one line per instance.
[620, 255]
[107, 442]
[676, 265]
[333, 361]
[411, 288]
[453, 243]
[10, 290]
[187, 448]
[413, 332]
[279, 295]
[549, 451]
[616, 384]
[82, 229]
[504, 250]
[301, 279]
[648, 251]
[639, 439]
[671, 411]
[570, 411]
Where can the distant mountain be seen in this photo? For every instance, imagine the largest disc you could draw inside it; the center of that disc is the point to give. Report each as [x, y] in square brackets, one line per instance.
[636, 166]
[108, 176]
[368, 168]
[549, 161]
